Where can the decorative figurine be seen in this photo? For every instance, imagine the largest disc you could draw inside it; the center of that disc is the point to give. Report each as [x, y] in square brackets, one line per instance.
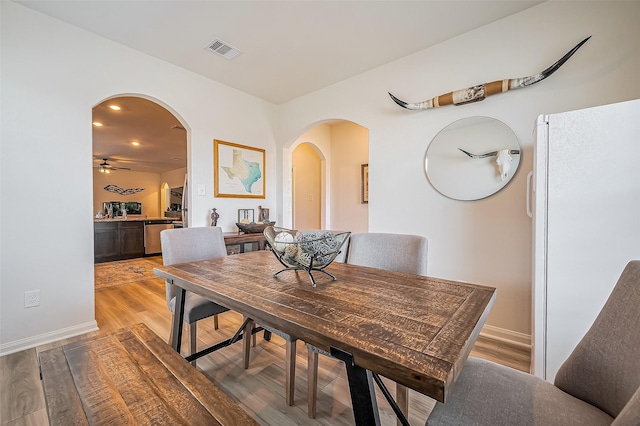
[214, 217]
[263, 215]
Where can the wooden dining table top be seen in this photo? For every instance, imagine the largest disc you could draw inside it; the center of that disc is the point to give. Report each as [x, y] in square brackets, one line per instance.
[414, 330]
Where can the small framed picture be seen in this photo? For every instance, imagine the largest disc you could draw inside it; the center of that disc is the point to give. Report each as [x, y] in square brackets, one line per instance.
[245, 216]
[364, 183]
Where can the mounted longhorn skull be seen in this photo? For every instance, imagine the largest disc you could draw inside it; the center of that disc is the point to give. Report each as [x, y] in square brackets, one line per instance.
[503, 159]
[504, 163]
[480, 92]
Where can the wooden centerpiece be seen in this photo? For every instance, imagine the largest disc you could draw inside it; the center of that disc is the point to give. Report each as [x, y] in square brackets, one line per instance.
[253, 228]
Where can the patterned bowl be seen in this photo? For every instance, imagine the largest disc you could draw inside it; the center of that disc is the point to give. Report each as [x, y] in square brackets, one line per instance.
[305, 250]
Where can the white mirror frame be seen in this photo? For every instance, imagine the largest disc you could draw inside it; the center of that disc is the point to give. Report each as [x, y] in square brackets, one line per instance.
[457, 175]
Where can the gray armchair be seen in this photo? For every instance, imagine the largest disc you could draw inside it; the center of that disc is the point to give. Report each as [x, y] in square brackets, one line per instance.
[189, 245]
[393, 252]
[599, 384]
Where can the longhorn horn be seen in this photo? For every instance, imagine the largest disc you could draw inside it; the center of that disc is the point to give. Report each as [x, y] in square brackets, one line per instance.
[488, 154]
[479, 92]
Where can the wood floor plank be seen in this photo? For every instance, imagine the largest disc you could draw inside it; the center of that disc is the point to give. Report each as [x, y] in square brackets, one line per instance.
[21, 392]
[38, 418]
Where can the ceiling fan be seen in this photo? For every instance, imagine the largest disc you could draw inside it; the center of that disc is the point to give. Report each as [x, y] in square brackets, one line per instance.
[105, 167]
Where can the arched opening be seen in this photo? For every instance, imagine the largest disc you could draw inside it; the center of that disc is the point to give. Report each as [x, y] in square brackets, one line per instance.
[343, 148]
[307, 186]
[139, 156]
[165, 197]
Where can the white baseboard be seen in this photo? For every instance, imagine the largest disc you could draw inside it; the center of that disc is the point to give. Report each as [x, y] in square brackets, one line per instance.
[503, 335]
[42, 339]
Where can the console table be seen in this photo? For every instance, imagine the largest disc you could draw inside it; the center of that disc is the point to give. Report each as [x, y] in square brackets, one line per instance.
[238, 242]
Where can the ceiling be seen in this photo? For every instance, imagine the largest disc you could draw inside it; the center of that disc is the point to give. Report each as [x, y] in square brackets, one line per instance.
[289, 48]
[162, 141]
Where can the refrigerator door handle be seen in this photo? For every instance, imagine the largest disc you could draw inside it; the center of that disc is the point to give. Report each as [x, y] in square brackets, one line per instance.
[529, 195]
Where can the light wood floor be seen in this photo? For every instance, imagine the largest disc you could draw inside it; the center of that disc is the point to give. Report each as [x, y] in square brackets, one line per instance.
[259, 390]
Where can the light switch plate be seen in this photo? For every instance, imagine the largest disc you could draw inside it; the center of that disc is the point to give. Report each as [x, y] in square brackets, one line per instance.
[201, 189]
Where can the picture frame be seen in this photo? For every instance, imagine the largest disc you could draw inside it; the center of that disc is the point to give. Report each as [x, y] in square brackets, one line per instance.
[246, 216]
[239, 170]
[364, 184]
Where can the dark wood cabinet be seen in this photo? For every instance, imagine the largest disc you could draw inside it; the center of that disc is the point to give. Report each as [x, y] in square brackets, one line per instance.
[131, 239]
[106, 242]
[117, 240]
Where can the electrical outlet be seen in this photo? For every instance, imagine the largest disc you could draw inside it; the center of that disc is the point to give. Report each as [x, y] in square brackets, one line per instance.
[31, 298]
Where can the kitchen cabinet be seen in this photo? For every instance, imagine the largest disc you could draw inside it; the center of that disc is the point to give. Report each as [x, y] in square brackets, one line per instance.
[118, 240]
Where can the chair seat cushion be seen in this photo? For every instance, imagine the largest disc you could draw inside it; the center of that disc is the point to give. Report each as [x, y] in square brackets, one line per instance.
[491, 394]
[197, 308]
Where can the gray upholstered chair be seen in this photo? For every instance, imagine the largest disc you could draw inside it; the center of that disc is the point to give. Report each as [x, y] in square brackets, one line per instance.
[189, 245]
[599, 384]
[193, 244]
[393, 252]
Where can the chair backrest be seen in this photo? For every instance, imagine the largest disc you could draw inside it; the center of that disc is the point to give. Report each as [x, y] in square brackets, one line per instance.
[604, 368]
[182, 245]
[393, 252]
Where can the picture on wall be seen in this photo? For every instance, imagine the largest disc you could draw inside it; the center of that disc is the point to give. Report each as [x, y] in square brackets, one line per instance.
[364, 184]
[239, 170]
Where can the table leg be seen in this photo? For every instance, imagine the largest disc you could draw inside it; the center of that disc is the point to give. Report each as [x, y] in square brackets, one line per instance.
[178, 319]
[363, 395]
[246, 337]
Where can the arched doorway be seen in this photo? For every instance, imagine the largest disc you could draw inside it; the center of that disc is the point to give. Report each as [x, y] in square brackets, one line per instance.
[343, 148]
[144, 145]
[139, 155]
[306, 187]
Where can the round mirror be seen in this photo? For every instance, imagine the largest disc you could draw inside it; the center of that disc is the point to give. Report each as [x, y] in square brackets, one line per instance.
[472, 158]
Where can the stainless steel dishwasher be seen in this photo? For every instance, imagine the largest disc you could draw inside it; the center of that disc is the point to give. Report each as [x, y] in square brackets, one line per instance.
[152, 231]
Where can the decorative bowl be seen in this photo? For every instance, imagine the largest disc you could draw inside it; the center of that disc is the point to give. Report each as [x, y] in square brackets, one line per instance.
[305, 250]
[253, 228]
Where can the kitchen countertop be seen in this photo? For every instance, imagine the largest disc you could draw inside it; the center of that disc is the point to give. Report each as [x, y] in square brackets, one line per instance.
[138, 219]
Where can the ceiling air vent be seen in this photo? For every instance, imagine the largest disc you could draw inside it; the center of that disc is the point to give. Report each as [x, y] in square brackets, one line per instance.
[223, 49]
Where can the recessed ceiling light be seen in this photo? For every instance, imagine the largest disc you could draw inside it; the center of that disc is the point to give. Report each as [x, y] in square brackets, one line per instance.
[135, 143]
[115, 107]
[97, 124]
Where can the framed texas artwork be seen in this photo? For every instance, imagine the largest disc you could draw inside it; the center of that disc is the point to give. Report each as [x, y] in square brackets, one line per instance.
[239, 170]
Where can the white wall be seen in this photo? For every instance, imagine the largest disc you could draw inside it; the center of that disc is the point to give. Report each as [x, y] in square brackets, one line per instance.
[488, 241]
[174, 178]
[126, 179]
[52, 76]
[349, 151]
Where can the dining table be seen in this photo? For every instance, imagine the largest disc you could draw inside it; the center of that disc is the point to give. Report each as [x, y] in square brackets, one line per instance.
[414, 330]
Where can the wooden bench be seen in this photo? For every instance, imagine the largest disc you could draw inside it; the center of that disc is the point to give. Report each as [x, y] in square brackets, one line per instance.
[131, 377]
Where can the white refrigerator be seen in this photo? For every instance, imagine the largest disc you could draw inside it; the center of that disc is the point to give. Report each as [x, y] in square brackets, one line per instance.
[585, 204]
